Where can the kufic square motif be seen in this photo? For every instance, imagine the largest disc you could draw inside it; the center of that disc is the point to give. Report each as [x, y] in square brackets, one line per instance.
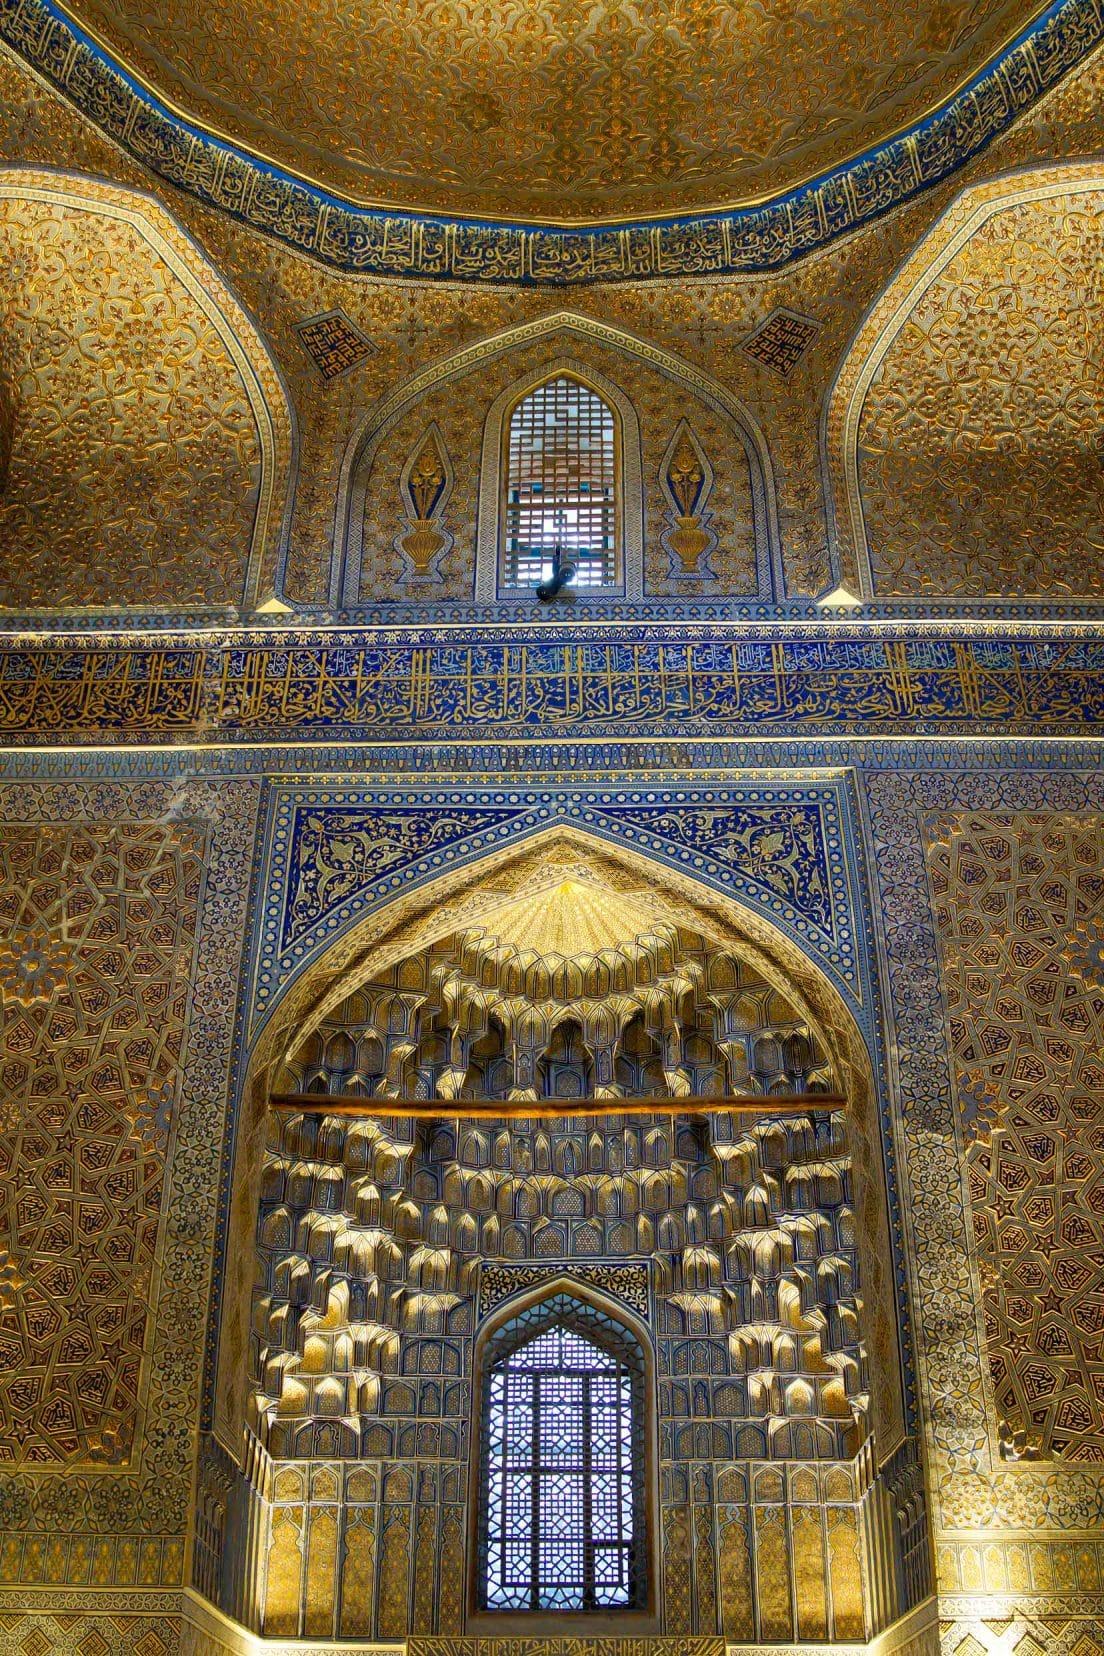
[334, 344]
[781, 341]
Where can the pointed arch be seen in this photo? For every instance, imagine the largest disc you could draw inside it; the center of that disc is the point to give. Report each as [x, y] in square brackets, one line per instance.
[413, 919]
[564, 1301]
[231, 417]
[574, 330]
[897, 308]
[493, 473]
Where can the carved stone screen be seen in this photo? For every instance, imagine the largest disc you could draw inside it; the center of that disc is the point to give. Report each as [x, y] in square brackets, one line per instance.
[561, 486]
[562, 1501]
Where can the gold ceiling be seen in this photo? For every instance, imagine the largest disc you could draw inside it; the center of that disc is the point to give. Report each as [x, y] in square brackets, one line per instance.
[555, 110]
[568, 918]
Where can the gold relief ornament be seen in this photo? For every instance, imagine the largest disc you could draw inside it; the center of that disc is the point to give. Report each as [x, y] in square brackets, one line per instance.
[687, 479]
[1085, 952]
[11, 1282]
[425, 486]
[34, 964]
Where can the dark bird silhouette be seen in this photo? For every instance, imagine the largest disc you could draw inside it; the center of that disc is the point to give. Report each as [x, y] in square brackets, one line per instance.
[562, 573]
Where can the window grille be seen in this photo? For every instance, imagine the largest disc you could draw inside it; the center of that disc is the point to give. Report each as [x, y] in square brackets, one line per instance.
[562, 1498]
[561, 487]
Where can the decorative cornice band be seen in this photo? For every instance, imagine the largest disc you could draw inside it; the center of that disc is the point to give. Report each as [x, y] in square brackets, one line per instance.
[369, 241]
[347, 687]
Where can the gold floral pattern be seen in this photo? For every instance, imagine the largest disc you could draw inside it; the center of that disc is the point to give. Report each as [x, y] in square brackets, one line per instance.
[136, 411]
[556, 110]
[976, 458]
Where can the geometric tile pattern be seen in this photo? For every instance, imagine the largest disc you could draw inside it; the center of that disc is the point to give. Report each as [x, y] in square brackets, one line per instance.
[101, 885]
[97, 933]
[1019, 1635]
[334, 344]
[952, 502]
[90, 1634]
[152, 356]
[781, 341]
[1019, 908]
[974, 1489]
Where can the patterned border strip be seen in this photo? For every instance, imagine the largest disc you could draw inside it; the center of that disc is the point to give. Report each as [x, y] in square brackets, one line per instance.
[781, 844]
[630, 1282]
[374, 764]
[372, 242]
[503, 615]
[861, 683]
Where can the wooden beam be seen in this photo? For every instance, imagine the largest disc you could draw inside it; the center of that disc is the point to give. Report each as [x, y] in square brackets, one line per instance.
[496, 1109]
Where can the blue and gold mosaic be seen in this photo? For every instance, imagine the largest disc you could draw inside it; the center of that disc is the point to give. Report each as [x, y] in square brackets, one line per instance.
[355, 685]
[336, 854]
[372, 242]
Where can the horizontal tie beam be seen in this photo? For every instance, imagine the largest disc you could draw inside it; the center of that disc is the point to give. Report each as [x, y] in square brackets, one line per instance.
[498, 1109]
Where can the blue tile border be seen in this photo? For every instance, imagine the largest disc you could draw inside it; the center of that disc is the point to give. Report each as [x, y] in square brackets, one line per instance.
[410, 245]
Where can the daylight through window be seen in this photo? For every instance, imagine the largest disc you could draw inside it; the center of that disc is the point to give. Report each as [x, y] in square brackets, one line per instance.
[562, 1506]
[561, 487]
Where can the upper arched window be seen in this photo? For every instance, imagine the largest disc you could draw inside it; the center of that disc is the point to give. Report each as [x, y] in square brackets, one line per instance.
[561, 1511]
[561, 488]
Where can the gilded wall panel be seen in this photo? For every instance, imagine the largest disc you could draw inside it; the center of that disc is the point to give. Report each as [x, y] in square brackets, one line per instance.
[978, 459]
[99, 938]
[676, 1569]
[122, 910]
[358, 1574]
[772, 1572]
[393, 1589]
[845, 1574]
[1018, 905]
[141, 403]
[810, 1572]
[284, 1571]
[459, 410]
[1017, 856]
[737, 1619]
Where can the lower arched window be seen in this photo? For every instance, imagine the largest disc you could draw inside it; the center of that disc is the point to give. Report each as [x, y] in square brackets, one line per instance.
[561, 1511]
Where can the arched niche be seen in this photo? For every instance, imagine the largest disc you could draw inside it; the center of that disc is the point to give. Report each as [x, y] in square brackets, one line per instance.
[436, 910]
[628, 464]
[468, 395]
[962, 431]
[137, 400]
[567, 1286]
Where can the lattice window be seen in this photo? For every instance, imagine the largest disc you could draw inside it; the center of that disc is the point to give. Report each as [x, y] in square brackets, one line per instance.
[562, 1499]
[561, 487]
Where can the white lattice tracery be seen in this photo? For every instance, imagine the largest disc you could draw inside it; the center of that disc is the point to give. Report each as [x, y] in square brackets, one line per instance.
[561, 486]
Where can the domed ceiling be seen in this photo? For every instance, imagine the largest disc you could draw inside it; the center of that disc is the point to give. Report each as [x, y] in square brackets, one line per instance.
[555, 110]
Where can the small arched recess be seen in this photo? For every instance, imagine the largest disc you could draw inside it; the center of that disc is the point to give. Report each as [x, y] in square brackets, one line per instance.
[366, 560]
[629, 564]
